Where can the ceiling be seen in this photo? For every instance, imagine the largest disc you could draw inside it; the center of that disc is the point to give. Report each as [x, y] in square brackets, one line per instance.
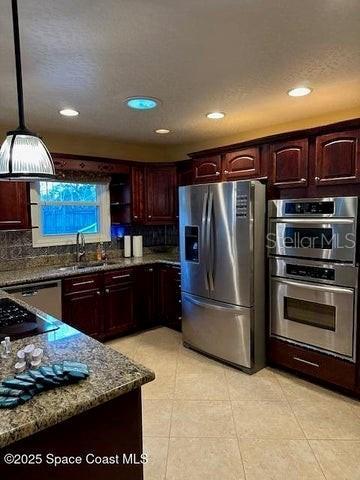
[197, 56]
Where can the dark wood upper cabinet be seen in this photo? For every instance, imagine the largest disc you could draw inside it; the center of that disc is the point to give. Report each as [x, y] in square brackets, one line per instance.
[242, 164]
[207, 169]
[138, 194]
[185, 173]
[289, 163]
[160, 191]
[14, 206]
[82, 163]
[337, 158]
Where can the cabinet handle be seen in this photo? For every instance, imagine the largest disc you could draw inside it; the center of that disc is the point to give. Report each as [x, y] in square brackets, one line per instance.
[83, 283]
[317, 179]
[217, 173]
[98, 292]
[135, 216]
[150, 269]
[179, 318]
[121, 276]
[307, 362]
[179, 301]
[303, 180]
[10, 221]
[226, 172]
[149, 216]
[107, 290]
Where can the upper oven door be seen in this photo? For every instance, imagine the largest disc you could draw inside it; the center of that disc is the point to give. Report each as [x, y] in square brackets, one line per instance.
[333, 239]
[314, 315]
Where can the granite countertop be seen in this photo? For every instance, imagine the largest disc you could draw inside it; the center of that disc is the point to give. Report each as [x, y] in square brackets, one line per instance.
[16, 277]
[111, 375]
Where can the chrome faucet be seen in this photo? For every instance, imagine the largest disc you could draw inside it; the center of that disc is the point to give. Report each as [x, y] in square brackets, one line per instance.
[80, 246]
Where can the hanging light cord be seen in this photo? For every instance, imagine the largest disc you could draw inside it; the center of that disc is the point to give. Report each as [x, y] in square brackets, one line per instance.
[20, 94]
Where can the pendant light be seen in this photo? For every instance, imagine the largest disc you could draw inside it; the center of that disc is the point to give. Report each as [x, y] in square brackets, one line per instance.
[23, 155]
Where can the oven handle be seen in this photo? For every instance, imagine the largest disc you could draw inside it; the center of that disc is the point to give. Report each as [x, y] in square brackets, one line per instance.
[320, 221]
[315, 287]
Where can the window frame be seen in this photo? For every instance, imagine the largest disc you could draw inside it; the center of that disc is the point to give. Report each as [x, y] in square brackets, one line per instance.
[104, 234]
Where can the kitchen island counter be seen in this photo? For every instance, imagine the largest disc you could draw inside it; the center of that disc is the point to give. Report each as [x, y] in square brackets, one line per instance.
[111, 375]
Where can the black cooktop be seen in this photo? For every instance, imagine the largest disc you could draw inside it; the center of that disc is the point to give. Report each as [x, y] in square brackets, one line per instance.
[16, 321]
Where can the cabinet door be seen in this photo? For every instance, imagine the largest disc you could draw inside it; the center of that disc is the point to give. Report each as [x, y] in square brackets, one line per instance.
[145, 297]
[138, 194]
[119, 308]
[170, 297]
[289, 163]
[242, 164]
[14, 206]
[82, 310]
[337, 158]
[207, 169]
[161, 194]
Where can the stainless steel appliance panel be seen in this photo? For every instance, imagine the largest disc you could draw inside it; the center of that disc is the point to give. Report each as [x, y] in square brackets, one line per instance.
[46, 296]
[313, 314]
[327, 207]
[330, 239]
[193, 205]
[316, 271]
[230, 243]
[218, 329]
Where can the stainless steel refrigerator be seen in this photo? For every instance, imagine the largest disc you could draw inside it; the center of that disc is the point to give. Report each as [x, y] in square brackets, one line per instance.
[222, 248]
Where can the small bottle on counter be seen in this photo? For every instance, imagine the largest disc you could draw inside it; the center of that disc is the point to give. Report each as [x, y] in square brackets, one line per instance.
[4, 353]
[98, 252]
[103, 252]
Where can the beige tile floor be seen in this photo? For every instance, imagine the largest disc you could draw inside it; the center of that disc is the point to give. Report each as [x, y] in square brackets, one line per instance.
[205, 421]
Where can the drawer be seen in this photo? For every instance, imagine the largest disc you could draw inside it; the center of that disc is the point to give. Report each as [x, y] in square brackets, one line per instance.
[81, 283]
[315, 364]
[115, 277]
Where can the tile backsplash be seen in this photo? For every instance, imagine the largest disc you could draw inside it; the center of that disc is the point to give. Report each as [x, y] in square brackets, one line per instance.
[17, 245]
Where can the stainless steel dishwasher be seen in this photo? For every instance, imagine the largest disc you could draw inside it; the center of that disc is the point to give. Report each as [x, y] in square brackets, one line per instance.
[46, 296]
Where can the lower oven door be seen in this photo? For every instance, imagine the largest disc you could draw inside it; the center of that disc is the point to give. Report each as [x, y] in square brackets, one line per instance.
[314, 315]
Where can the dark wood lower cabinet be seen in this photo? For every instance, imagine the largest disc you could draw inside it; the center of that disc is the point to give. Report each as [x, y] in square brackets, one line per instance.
[113, 428]
[118, 302]
[170, 296]
[146, 301]
[314, 364]
[83, 310]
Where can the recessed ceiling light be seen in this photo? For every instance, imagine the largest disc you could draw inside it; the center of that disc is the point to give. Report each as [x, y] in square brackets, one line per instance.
[299, 91]
[162, 131]
[142, 103]
[215, 115]
[69, 112]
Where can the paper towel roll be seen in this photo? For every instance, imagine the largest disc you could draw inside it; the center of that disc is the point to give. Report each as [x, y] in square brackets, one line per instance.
[137, 245]
[127, 246]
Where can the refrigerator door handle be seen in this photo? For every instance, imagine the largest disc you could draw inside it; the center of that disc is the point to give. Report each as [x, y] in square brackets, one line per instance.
[221, 308]
[209, 246]
[204, 248]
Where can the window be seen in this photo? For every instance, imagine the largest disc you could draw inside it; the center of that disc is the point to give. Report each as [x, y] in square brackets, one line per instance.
[61, 209]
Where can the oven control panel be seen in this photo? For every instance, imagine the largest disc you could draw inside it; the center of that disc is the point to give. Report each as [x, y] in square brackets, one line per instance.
[312, 208]
[310, 271]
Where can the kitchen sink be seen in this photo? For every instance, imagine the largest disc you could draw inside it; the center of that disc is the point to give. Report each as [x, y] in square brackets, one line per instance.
[82, 265]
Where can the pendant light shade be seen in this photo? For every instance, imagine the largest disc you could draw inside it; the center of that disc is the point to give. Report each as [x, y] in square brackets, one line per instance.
[23, 155]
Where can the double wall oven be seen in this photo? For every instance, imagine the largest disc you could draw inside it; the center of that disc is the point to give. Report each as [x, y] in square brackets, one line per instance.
[314, 273]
